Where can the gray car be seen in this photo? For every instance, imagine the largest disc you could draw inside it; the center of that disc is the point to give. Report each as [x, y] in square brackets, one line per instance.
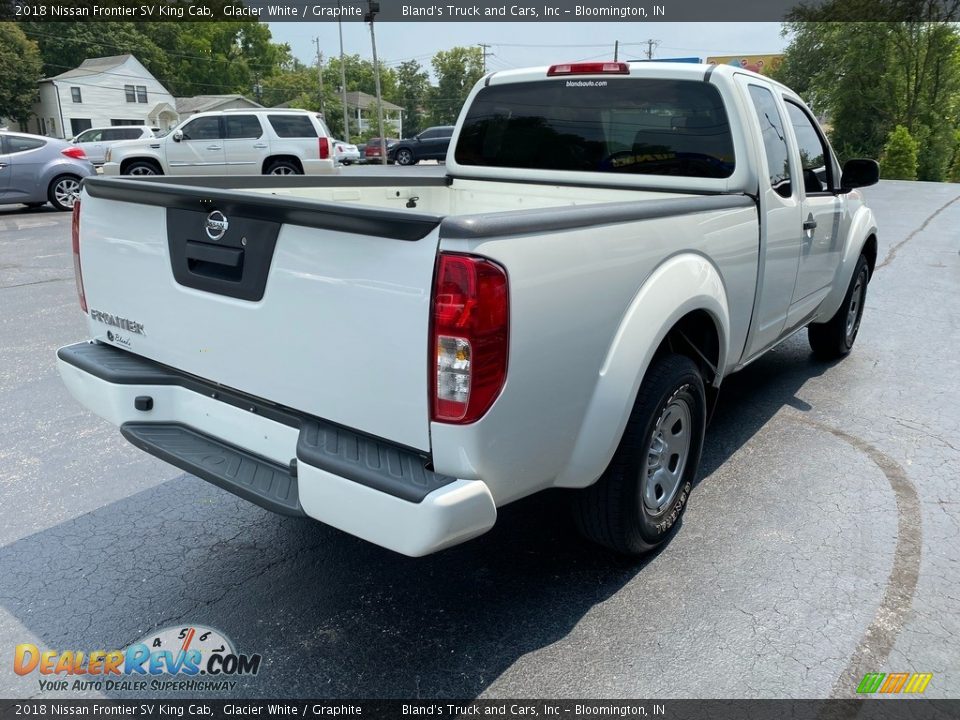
[35, 170]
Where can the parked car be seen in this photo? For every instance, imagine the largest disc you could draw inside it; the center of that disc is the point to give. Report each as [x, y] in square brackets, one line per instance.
[231, 142]
[431, 144]
[345, 153]
[371, 153]
[96, 141]
[35, 170]
[403, 357]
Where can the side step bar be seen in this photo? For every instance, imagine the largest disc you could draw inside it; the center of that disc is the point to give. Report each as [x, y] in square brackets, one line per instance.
[260, 481]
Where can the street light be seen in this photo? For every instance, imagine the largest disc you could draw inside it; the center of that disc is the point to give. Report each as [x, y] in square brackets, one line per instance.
[373, 7]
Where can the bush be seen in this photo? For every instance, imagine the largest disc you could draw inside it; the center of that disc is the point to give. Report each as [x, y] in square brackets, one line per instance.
[899, 160]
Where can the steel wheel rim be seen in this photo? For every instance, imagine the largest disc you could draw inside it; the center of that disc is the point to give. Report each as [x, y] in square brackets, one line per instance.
[667, 455]
[855, 311]
[282, 170]
[142, 170]
[65, 191]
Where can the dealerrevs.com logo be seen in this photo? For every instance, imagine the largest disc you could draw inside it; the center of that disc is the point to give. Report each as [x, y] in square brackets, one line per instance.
[200, 658]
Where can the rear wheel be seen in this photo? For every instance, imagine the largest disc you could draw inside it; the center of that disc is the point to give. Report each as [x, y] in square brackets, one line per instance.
[283, 167]
[142, 167]
[405, 156]
[636, 503]
[834, 338]
[63, 191]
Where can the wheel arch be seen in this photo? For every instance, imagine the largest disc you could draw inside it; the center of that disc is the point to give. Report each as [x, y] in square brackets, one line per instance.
[681, 307]
[268, 161]
[127, 162]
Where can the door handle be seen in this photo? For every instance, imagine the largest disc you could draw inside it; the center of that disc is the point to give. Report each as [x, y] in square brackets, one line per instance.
[810, 224]
[214, 147]
[261, 146]
[2, 166]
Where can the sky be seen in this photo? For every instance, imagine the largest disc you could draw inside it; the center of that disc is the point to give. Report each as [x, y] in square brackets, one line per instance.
[524, 44]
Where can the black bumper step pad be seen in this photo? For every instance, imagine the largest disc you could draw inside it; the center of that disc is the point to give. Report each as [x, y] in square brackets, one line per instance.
[260, 481]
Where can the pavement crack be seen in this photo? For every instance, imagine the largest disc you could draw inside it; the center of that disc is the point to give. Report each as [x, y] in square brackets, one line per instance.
[878, 640]
[895, 248]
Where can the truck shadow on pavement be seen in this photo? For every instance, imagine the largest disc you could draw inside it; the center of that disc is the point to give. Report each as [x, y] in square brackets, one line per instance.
[331, 615]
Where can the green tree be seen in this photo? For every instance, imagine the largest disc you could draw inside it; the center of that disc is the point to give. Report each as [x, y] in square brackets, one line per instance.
[899, 159]
[953, 174]
[413, 88]
[20, 71]
[869, 77]
[457, 70]
[189, 58]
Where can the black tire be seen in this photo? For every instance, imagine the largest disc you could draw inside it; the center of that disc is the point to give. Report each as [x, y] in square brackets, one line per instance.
[283, 167]
[405, 156]
[62, 191]
[615, 511]
[142, 167]
[834, 339]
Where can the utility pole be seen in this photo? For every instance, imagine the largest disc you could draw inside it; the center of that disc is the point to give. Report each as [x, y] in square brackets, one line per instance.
[343, 78]
[616, 50]
[484, 46]
[258, 89]
[373, 9]
[651, 46]
[316, 41]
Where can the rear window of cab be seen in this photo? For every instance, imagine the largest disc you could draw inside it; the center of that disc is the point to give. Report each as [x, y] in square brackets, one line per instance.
[639, 126]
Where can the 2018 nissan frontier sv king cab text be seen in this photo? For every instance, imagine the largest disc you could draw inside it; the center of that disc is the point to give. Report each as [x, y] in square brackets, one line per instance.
[399, 356]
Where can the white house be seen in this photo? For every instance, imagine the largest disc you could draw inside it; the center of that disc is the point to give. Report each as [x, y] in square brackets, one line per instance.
[102, 92]
[363, 109]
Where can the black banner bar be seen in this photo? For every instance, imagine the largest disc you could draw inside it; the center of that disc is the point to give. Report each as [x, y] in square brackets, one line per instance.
[479, 11]
[898, 708]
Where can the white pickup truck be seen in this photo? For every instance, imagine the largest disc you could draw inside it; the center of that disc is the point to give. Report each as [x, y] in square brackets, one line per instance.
[399, 356]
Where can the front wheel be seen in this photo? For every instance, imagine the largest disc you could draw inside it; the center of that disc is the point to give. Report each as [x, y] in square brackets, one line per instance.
[834, 339]
[63, 191]
[405, 157]
[637, 501]
[142, 168]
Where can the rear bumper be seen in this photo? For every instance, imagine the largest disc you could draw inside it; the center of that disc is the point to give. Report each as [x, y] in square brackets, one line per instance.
[319, 167]
[380, 492]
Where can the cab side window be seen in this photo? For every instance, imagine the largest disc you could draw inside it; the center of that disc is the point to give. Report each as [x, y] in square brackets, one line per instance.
[814, 154]
[774, 140]
[207, 128]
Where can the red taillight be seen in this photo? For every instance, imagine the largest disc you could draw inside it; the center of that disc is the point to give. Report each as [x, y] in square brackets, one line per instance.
[469, 337]
[589, 68]
[74, 152]
[324, 148]
[77, 272]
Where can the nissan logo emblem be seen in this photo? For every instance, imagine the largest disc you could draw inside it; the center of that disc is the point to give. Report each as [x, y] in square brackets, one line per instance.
[216, 225]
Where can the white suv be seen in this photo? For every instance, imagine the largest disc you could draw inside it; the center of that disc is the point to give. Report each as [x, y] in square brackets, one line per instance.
[231, 142]
[96, 141]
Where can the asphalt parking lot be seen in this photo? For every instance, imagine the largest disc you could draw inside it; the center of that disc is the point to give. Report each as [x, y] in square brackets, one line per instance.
[821, 543]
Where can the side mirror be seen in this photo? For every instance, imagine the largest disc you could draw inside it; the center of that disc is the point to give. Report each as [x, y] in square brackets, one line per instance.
[177, 135]
[859, 173]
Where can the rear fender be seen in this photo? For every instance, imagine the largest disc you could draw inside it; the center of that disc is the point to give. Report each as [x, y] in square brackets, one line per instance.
[682, 284]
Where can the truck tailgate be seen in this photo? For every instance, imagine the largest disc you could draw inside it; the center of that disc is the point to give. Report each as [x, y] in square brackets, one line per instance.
[300, 303]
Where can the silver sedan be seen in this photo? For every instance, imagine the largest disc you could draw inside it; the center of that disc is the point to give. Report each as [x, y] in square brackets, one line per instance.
[35, 170]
